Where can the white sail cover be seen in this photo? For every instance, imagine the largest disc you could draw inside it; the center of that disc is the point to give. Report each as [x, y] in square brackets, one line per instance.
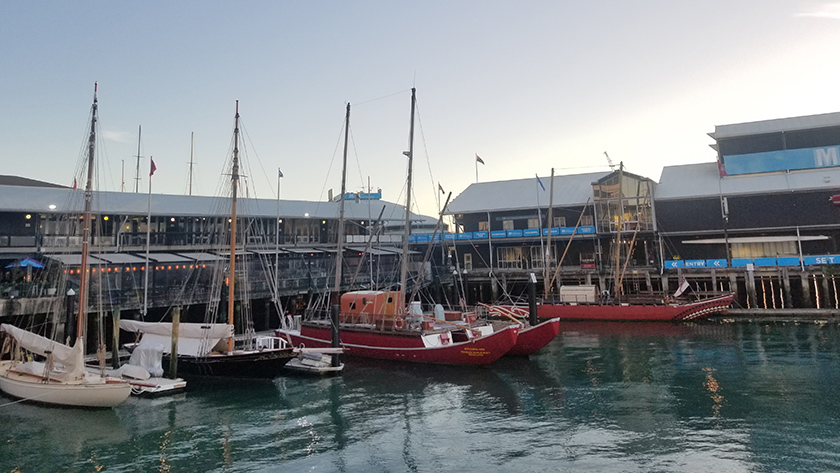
[194, 339]
[72, 359]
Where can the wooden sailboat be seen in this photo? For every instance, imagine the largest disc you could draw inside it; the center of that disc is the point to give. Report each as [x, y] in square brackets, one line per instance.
[210, 349]
[61, 379]
[378, 324]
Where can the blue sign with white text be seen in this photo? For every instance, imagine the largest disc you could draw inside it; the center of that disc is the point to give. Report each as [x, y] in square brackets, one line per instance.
[715, 263]
[480, 235]
[700, 263]
[828, 259]
[498, 234]
[782, 160]
[674, 263]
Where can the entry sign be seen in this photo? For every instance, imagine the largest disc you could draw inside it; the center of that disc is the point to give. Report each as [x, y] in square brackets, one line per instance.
[697, 263]
[715, 263]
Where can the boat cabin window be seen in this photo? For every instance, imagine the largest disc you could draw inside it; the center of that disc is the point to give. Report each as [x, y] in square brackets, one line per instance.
[390, 299]
[364, 301]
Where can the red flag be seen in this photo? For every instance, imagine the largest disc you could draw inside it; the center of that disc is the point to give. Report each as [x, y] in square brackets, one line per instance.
[478, 159]
[721, 168]
[153, 168]
[74, 183]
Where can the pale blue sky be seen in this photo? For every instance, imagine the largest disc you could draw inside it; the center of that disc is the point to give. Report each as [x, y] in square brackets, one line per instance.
[527, 85]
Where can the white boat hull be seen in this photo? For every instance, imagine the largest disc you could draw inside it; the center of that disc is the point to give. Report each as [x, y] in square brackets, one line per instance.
[90, 391]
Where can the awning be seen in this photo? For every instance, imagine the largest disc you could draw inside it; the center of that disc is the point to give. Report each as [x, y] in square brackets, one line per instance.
[371, 251]
[74, 260]
[168, 258]
[202, 257]
[121, 258]
[761, 239]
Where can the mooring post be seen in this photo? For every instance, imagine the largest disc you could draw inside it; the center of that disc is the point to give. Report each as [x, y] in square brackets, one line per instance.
[532, 300]
[115, 349]
[336, 343]
[173, 353]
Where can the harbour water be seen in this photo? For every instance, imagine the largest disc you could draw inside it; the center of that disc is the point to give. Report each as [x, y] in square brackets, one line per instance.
[749, 397]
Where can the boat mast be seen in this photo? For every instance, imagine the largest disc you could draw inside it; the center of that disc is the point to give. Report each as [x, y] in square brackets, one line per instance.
[407, 230]
[83, 266]
[617, 290]
[340, 246]
[234, 179]
[191, 160]
[548, 238]
[137, 172]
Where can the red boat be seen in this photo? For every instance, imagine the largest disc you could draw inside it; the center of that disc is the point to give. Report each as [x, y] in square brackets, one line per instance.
[371, 326]
[532, 339]
[630, 311]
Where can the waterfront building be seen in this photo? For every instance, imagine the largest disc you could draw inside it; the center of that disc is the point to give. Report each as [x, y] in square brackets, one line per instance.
[761, 220]
[291, 240]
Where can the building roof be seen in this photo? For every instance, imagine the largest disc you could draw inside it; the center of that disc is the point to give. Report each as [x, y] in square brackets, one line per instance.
[776, 126]
[6, 180]
[65, 200]
[703, 180]
[569, 190]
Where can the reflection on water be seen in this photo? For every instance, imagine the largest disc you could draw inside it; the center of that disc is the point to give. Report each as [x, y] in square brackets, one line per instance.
[600, 397]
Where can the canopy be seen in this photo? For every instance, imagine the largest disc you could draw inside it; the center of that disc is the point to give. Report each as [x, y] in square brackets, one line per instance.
[71, 358]
[194, 339]
[25, 263]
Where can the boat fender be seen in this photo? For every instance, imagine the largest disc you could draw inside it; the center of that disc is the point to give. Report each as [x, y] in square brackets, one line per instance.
[399, 323]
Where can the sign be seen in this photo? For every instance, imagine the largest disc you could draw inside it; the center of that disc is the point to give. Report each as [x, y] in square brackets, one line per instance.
[514, 233]
[674, 263]
[448, 236]
[715, 263]
[465, 236]
[787, 261]
[817, 260]
[782, 160]
[741, 262]
[479, 235]
[531, 232]
[554, 231]
[765, 261]
[498, 234]
[587, 261]
[699, 263]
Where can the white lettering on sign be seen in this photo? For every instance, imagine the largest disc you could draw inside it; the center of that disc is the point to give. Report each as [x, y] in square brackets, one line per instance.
[825, 157]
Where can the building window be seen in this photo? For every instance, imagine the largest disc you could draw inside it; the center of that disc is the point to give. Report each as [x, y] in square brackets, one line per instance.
[587, 221]
[533, 223]
[467, 262]
[507, 224]
[560, 222]
[509, 257]
[484, 226]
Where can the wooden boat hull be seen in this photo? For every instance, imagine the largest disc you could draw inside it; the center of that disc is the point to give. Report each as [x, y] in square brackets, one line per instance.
[532, 339]
[631, 312]
[101, 393]
[265, 364]
[479, 351]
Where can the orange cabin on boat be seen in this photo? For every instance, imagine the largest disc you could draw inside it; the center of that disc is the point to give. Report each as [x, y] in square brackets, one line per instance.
[372, 303]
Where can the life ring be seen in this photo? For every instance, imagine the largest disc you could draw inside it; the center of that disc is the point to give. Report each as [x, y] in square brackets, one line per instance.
[399, 323]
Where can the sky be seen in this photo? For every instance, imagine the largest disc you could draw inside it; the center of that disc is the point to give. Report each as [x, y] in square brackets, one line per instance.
[526, 85]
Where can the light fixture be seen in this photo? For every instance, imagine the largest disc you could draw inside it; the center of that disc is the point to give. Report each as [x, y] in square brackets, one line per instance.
[28, 216]
[105, 218]
[306, 214]
[52, 206]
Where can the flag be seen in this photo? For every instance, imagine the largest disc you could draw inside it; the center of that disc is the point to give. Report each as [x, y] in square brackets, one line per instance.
[721, 168]
[152, 168]
[540, 183]
[683, 286]
[74, 183]
[478, 159]
[279, 173]
[440, 188]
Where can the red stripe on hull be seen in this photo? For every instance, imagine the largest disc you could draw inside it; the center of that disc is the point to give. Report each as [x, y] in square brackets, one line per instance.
[634, 312]
[532, 339]
[479, 351]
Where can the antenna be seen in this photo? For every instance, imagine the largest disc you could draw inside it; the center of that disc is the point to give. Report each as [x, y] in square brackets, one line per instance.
[609, 161]
[137, 173]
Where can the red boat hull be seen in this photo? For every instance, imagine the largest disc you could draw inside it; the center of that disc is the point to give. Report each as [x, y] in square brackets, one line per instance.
[532, 339]
[631, 312]
[407, 347]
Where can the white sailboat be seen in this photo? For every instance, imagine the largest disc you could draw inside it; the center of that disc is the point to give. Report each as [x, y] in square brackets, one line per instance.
[61, 379]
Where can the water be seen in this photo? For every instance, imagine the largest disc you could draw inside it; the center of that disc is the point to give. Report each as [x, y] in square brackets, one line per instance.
[601, 397]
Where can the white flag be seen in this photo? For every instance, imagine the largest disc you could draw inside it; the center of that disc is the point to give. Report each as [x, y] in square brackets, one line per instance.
[683, 286]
